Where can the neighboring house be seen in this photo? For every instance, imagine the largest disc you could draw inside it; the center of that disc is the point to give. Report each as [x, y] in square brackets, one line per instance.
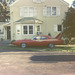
[5, 33]
[32, 17]
[4, 18]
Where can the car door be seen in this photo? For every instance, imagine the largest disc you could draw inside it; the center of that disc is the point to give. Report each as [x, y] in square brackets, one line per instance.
[44, 41]
[36, 41]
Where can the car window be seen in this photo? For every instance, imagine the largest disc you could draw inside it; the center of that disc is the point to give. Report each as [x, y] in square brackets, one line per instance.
[34, 38]
[42, 38]
[38, 37]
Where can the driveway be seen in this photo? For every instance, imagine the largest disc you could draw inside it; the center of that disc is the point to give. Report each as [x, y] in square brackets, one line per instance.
[36, 62]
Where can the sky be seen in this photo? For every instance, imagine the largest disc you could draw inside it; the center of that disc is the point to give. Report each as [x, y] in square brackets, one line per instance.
[69, 1]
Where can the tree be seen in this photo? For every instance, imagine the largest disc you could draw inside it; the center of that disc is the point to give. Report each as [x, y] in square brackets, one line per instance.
[4, 12]
[69, 23]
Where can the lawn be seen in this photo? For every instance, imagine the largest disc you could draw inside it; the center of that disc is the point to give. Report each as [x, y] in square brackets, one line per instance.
[63, 48]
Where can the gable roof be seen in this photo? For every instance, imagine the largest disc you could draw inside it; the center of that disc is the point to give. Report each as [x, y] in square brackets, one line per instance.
[64, 2]
[14, 2]
[59, 0]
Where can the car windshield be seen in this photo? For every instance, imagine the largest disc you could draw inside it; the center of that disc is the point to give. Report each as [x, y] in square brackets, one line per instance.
[36, 38]
[39, 38]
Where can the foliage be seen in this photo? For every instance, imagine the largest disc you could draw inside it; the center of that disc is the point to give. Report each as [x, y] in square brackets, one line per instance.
[69, 23]
[4, 12]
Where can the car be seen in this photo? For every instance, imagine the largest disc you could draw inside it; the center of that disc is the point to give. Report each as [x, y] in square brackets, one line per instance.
[40, 40]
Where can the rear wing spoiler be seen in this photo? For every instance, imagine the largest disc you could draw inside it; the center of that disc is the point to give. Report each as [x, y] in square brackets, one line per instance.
[59, 36]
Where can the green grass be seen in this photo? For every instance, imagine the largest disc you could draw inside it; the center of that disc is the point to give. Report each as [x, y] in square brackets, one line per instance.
[63, 48]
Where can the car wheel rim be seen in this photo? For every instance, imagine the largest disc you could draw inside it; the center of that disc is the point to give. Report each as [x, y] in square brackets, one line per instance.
[23, 45]
[51, 45]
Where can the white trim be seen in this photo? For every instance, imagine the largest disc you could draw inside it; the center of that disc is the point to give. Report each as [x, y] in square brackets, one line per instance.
[64, 2]
[18, 27]
[14, 3]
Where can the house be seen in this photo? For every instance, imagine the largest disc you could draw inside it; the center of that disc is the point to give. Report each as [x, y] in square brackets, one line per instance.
[34, 17]
[5, 33]
[4, 18]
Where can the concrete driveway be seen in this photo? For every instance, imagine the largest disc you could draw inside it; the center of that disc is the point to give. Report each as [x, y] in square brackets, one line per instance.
[36, 63]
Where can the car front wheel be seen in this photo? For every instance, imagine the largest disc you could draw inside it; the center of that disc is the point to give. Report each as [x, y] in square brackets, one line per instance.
[23, 45]
[51, 45]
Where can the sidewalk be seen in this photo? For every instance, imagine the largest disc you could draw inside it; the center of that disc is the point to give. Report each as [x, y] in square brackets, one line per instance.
[5, 42]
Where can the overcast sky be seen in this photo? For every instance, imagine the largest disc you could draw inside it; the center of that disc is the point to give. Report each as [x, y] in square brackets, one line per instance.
[69, 1]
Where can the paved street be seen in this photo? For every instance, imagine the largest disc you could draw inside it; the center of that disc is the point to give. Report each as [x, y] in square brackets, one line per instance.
[36, 63]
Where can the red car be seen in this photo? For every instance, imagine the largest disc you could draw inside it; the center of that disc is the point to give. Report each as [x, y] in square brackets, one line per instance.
[40, 40]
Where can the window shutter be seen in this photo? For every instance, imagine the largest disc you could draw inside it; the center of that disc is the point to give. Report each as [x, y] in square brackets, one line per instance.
[35, 11]
[58, 11]
[21, 12]
[55, 28]
[44, 11]
[62, 27]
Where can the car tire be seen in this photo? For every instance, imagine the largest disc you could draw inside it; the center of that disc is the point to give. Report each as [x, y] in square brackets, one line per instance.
[23, 45]
[51, 45]
[66, 41]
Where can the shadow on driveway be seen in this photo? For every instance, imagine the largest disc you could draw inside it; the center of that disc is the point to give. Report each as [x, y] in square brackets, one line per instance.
[53, 58]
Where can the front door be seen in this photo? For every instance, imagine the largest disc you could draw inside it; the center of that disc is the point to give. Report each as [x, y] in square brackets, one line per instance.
[8, 33]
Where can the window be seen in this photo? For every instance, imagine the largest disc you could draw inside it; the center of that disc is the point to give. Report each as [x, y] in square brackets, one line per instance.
[58, 28]
[28, 11]
[25, 11]
[38, 30]
[1, 30]
[28, 29]
[25, 30]
[48, 11]
[54, 11]
[51, 11]
[31, 11]
[38, 1]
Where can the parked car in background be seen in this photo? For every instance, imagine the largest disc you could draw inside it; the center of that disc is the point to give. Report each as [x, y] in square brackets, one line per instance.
[40, 40]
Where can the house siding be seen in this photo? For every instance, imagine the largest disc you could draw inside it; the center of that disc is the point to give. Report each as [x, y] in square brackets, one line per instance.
[48, 21]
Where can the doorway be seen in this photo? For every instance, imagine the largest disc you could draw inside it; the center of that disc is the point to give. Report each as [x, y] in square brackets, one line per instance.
[8, 33]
